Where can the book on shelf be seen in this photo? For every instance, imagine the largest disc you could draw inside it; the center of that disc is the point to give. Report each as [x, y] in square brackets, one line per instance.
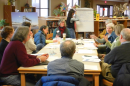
[28, 10]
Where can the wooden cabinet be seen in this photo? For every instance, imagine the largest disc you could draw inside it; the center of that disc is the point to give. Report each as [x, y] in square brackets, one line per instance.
[28, 9]
[7, 13]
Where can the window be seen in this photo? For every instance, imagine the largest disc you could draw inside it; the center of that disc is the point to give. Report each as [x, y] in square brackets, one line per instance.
[105, 10]
[42, 7]
[126, 12]
[72, 3]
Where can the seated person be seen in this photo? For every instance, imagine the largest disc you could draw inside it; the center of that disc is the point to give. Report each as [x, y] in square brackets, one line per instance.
[101, 35]
[119, 55]
[66, 66]
[6, 34]
[123, 77]
[40, 37]
[30, 45]
[58, 32]
[106, 73]
[110, 35]
[117, 28]
[15, 55]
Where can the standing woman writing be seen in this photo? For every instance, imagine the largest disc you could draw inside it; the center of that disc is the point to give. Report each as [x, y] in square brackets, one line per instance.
[71, 22]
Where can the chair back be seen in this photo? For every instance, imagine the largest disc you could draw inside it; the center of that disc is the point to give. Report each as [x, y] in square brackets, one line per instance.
[106, 82]
[49, 36]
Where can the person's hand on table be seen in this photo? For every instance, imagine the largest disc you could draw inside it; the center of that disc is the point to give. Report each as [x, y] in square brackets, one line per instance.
[96, 45]
[93, 37]
[55, 40]
[57, 36]
[43, 57]
[103, 55]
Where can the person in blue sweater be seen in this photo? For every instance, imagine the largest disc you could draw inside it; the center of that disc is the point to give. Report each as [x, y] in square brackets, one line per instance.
[40, 37]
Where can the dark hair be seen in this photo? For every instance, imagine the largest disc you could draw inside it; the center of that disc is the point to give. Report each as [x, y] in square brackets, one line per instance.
[43, 27]
[67, 49]
[26, 24]
[6, 31]
[70, 13]
[20, 33]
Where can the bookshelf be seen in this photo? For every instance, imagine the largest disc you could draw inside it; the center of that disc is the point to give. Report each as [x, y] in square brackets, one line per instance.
[52, 22]
[128, 23]
[28, 9]
[7, 13]
[99, 25]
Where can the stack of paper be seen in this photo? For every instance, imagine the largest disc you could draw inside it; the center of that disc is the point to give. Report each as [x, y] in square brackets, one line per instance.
[91, 58]
[39, 54]
[52, 58]
[85, 51]
[90, 67]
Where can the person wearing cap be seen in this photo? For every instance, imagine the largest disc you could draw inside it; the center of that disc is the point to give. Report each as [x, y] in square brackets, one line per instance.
[58, 32]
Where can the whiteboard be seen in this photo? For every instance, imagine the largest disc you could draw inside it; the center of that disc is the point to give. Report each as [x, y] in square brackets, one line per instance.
[86, 20]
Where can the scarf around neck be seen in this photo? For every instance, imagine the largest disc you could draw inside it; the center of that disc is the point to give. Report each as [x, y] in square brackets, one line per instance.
[62, 29]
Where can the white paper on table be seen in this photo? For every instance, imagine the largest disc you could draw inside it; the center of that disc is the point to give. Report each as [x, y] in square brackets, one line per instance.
[89, 41]
[45, 66]
[91, 60]
[39, 54]
[89, 45]
[85, 51]
[80, 47]
[89, 56]
[68, 39]
[52, 43]
[53, 46]
[52, 58]
[90, 67]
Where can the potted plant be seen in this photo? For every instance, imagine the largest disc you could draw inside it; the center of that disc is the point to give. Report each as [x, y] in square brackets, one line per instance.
[3, 23]
[10, 2]
[95, 12]
[58, 12]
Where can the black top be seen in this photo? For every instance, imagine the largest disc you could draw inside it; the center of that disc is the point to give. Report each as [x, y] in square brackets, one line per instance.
[117, 57]
[70, 25]
[3, 45]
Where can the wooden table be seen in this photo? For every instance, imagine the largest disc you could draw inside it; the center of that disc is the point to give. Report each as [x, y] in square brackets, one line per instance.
[40, 69]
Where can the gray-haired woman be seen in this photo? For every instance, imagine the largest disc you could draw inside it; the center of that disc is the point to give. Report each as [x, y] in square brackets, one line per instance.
[15, 55]
[58, 32]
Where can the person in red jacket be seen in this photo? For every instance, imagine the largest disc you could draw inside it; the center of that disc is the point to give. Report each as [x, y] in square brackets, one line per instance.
[15, 55]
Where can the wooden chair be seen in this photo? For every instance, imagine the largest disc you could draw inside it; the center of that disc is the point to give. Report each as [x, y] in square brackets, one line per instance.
[49, 36]
[106, 82]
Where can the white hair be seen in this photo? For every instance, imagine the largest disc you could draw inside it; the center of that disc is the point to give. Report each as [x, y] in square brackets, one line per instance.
[111, 25]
